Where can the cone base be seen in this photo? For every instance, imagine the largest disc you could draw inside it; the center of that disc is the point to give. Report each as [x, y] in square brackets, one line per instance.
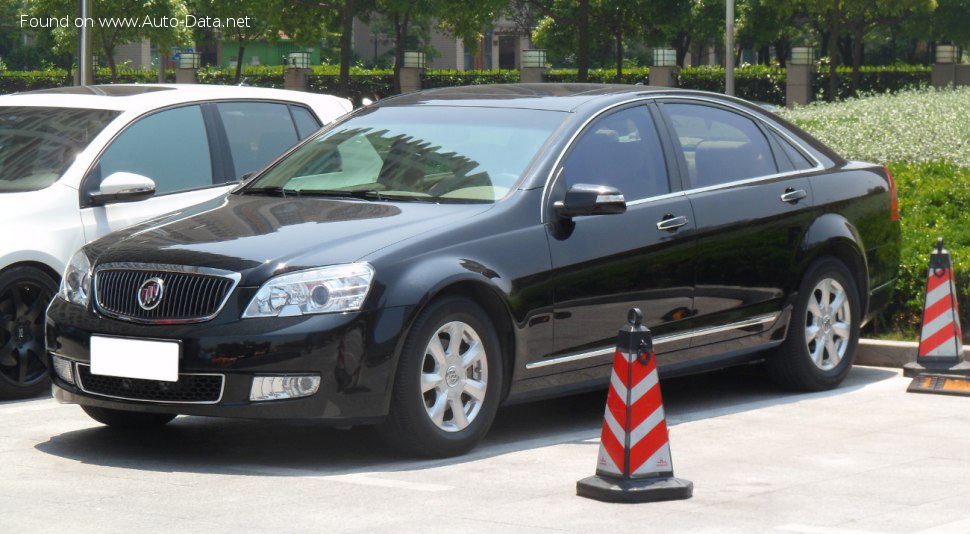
[652, 489]
[951, 367]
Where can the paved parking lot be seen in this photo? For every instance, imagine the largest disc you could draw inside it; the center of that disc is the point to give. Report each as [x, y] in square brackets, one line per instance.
[865, 458]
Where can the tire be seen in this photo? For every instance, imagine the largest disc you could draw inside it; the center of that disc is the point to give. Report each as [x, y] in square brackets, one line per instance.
[819, 349]
[123, 419]
[25, 293]
[438, 405]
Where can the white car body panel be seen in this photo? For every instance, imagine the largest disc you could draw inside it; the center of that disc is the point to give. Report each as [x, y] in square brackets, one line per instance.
[47, 226]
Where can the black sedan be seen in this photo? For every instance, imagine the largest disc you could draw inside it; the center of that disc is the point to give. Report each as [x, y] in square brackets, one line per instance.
[431, 257]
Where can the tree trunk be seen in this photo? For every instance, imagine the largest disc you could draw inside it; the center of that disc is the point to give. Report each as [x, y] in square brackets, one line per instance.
[857, 50]
[346, 45]
[782, 49]
[618, 35]
[834, 51]
[582, 57]
[239, 59]
[400, 41]
[110, 55]
[681, 47]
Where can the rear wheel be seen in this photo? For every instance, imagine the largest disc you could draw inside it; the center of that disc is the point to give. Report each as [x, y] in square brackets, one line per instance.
[824, 330]
[448, 382]
[123, 419]
[25, 293]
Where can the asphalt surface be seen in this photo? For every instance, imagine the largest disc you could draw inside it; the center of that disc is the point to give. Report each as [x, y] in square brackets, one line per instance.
[867, 457]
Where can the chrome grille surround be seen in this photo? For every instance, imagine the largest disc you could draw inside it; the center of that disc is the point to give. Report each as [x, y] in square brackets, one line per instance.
[192, 294]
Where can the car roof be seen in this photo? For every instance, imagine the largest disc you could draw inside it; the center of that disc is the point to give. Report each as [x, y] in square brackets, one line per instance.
[144, 97]
[566, 97]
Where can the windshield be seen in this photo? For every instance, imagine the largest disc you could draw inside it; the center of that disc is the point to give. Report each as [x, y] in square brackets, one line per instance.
[424, 153]
[38, 144]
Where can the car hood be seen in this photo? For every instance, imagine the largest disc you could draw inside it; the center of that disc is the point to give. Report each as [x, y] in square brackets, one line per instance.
[260, 236]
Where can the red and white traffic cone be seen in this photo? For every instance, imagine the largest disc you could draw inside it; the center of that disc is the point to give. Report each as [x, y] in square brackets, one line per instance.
[941, 341]
[634, 459]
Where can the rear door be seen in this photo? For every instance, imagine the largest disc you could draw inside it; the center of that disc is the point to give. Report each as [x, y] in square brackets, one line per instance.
[605, 264]
[752, 209]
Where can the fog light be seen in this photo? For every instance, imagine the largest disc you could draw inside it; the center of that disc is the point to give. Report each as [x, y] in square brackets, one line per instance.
[63, 368]
[283, 387]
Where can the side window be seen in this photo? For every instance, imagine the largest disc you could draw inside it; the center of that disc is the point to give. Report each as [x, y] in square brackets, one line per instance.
[720, 146]
[621, 150]
[797, 159]
[258, 132]
[306, 123]
[170, 147]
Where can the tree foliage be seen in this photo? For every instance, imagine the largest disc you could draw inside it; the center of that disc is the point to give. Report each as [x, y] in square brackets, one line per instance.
[107, 36]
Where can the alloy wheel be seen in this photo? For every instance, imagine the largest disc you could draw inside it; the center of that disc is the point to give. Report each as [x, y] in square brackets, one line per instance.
[454, 376]
[828, 324]
[22, 314]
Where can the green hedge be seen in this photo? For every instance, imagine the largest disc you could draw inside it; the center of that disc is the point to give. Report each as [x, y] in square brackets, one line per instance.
[933, 202]
[453, 78]
[753, 82]
[18, 81]
[630, 76]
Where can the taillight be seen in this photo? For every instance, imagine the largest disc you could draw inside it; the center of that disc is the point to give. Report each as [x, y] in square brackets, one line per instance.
[893, 198]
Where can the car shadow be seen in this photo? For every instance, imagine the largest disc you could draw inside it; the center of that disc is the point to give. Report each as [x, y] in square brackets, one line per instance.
[301, 448]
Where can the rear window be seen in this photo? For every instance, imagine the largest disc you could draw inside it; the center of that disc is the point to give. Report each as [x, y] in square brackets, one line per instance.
[38, 144]
[424, 153]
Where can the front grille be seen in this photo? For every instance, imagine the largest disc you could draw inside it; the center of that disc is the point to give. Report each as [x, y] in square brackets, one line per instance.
[190, 295]
[190, 388]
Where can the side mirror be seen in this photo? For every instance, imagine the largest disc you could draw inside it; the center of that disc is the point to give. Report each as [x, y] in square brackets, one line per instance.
[123, 187]
[586, 199]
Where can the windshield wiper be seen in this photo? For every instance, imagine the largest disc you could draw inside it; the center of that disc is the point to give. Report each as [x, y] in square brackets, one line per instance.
[273, 191]
[364, 194]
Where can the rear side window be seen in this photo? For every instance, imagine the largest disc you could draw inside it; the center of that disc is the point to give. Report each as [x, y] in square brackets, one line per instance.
[621, 150]
[306, 123]
[258, 133]
[798, 160]
[720, 146]
[170, 147]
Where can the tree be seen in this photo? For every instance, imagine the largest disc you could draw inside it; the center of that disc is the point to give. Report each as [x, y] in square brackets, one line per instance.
[951, 23]
[862, 16]
[775, 23]
[620, 19]
[116, 23]
[466, 22]
[573, 14]
[264, 21]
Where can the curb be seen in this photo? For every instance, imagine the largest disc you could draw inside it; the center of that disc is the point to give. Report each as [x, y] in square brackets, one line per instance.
[880, 353]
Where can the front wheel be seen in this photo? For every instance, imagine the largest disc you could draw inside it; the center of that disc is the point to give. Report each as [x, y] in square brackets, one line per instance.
[824, 330]
[123, 419]
[25, 293]
[448, 382]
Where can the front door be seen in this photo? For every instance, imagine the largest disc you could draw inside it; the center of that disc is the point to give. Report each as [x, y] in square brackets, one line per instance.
[606, 264]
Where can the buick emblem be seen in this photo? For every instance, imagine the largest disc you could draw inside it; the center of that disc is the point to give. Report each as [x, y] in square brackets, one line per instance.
[150, 293]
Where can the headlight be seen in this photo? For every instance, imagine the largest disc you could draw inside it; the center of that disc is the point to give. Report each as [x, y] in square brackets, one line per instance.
[339, 288]
[76, 282]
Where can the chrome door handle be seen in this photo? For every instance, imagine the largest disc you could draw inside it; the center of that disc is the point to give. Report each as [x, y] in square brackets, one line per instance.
[793, 195]
[671, 223]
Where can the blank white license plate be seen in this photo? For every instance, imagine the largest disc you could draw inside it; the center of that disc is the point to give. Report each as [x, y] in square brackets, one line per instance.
[135, 358]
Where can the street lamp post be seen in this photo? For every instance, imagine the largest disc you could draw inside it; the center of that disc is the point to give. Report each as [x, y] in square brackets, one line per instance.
[84, 74]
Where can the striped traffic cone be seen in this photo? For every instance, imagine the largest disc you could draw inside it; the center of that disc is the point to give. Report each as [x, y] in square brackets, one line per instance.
[941, 341]
[634, 459]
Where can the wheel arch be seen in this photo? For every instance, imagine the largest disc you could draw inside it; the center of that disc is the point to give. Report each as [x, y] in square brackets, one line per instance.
[39, 265]
[834, 236]
[459, 278]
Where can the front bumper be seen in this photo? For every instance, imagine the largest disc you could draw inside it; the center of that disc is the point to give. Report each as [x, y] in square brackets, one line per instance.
[354, 355]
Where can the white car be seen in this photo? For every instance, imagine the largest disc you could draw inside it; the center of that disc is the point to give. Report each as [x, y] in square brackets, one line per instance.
[77, 163]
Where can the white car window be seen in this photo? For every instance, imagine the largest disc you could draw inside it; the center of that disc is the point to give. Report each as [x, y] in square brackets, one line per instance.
[170, 147]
